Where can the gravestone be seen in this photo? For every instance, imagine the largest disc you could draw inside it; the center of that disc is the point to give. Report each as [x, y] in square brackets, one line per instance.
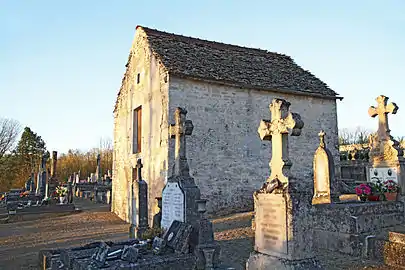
[386, 156]
[42, 176]
[180, 193]
[173, 204]
[283, 237]
[177, 236]
[142, 187]
[324, 173]
[98, 169]
[140, 203]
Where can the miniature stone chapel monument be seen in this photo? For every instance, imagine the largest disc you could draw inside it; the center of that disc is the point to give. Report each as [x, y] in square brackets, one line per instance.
[283, 222]
[324, 173]
[386, 156]
[180, 194]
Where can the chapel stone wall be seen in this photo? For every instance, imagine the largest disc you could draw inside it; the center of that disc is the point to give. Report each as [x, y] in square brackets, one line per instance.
[152, 94]
[226, 156]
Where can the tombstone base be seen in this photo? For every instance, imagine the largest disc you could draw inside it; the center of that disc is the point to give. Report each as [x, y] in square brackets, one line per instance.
[139, 231]
[258, 261]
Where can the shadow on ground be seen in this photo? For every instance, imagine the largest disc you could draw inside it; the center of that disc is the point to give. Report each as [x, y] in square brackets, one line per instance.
[20, 242]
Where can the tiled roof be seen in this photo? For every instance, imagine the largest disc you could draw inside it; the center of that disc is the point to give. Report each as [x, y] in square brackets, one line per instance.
[246, 67]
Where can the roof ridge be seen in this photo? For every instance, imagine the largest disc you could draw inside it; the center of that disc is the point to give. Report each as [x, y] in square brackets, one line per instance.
[210, 42]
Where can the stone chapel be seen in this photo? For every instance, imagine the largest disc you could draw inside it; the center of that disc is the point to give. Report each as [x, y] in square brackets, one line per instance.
[226, 90]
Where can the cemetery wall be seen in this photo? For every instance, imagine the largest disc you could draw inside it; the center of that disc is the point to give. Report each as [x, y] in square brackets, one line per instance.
[151, 94]
[226, 156]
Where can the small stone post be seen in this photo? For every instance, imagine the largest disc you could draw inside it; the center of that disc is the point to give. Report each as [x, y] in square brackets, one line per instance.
[207, 251]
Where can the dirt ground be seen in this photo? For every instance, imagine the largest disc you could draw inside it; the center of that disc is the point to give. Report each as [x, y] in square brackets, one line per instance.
[20, 242]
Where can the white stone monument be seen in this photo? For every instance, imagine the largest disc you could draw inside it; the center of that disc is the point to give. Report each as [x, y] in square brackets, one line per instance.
[386, 156]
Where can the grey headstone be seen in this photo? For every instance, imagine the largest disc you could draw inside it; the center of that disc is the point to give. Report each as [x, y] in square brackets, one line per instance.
[130, 254]
[177, 237]
[100, 256]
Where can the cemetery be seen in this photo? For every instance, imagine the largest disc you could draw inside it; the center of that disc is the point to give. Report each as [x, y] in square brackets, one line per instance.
[294, 224]
[224, 157]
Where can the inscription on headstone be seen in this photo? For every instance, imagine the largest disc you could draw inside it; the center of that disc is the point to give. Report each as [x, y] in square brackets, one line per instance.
[383, 174]
[271, 224]
[173, 205]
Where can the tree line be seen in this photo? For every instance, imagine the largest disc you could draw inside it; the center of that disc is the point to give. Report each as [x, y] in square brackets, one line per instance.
[21, 153]
[359, 135]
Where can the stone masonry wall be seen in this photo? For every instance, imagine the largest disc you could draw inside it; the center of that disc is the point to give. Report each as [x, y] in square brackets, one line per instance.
[152, 94]
[226, 156]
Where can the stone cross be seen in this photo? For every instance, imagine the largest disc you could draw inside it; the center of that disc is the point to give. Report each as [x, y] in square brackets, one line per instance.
[178, 131]
[321, 135]
[139, 203]
[382, 111]
[276, 131]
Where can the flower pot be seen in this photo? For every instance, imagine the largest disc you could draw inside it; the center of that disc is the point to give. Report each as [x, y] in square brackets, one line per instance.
[61, 200]
[363, 198]
[373, 198]
[391, 196]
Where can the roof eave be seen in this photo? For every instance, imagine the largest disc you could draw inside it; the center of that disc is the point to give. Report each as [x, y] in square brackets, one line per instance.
[248, 86]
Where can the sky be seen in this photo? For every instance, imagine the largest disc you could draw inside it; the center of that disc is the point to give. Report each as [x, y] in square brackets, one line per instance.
[62, 62]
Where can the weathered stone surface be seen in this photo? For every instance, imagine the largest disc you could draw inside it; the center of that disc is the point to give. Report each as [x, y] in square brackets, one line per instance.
[276, 130]
[173, 204]
[324, 174]
[271, 224]
[263, 261]
[141, 210]
[177, 237]
[130, 254]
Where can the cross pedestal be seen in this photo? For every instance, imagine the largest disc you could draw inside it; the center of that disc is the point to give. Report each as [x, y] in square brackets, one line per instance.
[283, 222]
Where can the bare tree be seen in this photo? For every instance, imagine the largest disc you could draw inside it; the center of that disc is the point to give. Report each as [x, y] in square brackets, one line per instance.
[106, 149]
[9, 131]
[358, 136]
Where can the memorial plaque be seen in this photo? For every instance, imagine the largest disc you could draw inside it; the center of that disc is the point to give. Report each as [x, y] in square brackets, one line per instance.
[383, 174]
[271, 224]
[173, 206]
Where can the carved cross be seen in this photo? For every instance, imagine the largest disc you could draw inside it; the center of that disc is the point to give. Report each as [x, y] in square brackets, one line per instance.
[321, 135]
[139, 167]
[178, 131]
[382, 111]
[276, 131]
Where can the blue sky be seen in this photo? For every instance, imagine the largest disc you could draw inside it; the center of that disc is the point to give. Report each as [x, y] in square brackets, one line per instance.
[61, 62]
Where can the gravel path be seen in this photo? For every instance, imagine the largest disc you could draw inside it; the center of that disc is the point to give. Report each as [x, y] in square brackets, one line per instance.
[20, 242]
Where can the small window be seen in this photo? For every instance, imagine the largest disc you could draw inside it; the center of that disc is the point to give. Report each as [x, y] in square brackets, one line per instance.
[138, 78]
[137, 130]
